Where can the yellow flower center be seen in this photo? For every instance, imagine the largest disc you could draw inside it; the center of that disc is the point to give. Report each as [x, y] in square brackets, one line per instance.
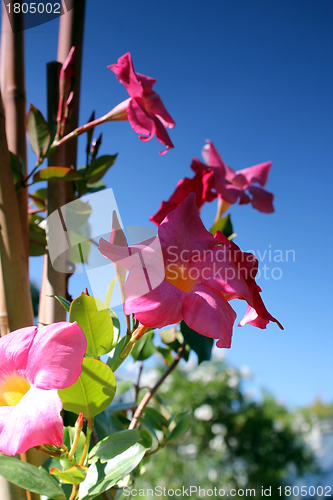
[12, 389]
[179, 276]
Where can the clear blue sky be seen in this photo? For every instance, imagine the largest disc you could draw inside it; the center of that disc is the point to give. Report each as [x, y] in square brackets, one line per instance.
[256, 78]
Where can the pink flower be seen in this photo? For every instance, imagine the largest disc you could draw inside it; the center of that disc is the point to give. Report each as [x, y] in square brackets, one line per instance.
[145, 110]
[35, 362]
[247, 267]
[201, 184]
[199, 277]
[240, 185]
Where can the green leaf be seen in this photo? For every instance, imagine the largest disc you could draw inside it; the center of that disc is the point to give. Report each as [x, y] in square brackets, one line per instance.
[57, 174]
[116, 327]
[200, 344]
[37, 236]
[80, 244]
[122, 406]
[155, 418]
[76, 214]
[38, 131]
[123, 386]
[146, 438]
[174, 339]
[113, 360]
[39, 197]
[96, 323]
[73, 475]
[144, 348]
[166, 353]
[108, 296]
[224, 225]
[30, 478]
[102, 477]
[93, 391]
[183, 423]
[95, 187]
[64, 302]
[114, 445]
[17, 167]
[99, 167]
[81, 185]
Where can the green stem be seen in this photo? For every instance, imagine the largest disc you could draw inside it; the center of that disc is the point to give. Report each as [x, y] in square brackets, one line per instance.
[87, 443]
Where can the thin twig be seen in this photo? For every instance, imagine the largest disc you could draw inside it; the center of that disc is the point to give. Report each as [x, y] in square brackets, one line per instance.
[137, 385]
[151, 393]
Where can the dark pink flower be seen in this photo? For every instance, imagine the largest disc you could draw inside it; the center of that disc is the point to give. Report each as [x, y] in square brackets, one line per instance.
[201, 184]
[247, 267]
[35, 362]
[197, 277]
[241, 185]
[145, 110]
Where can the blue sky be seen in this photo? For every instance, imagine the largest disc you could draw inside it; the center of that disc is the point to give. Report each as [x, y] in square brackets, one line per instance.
[256, 78]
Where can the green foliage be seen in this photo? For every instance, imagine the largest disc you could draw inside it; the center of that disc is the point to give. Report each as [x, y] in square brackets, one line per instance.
[74, 475]
[38, 132]
[98, 168]
[37, 236]
[57, 174]
[102, 477]
[144, 348]
[64, 302]
[113, 445]
[96, 323]
[233, 442]
[30, 478]
[182, 425]
[200, 344]
[224, 225]
[318, 409]
[18, 168]
[93, 391]
[34, 291]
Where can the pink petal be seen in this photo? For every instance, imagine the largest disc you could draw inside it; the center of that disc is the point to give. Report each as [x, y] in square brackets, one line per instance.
[251, 318]
[183, 228]
[213, 159]
[35, 420]
[126, 75]
[14, 349]
[141, 121]
[113, 252]
[158, 308]
[257, 173]
[156, 107]
[201, 185]
[261, 200]
[162, 135]
[119, 112]
[117, 237]
[147, 83]
[227, 190]
[260, 308]
[55, 357]
[164, 210]
[208, 313]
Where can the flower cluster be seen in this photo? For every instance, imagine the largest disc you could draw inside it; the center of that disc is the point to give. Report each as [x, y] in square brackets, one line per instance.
[215, 179]
[199, 275]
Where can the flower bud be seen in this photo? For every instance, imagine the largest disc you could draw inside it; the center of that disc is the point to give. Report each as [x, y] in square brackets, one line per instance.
[79, 423]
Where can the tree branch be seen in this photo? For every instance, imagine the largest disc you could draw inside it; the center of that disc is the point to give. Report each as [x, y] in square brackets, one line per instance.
[152, 391]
